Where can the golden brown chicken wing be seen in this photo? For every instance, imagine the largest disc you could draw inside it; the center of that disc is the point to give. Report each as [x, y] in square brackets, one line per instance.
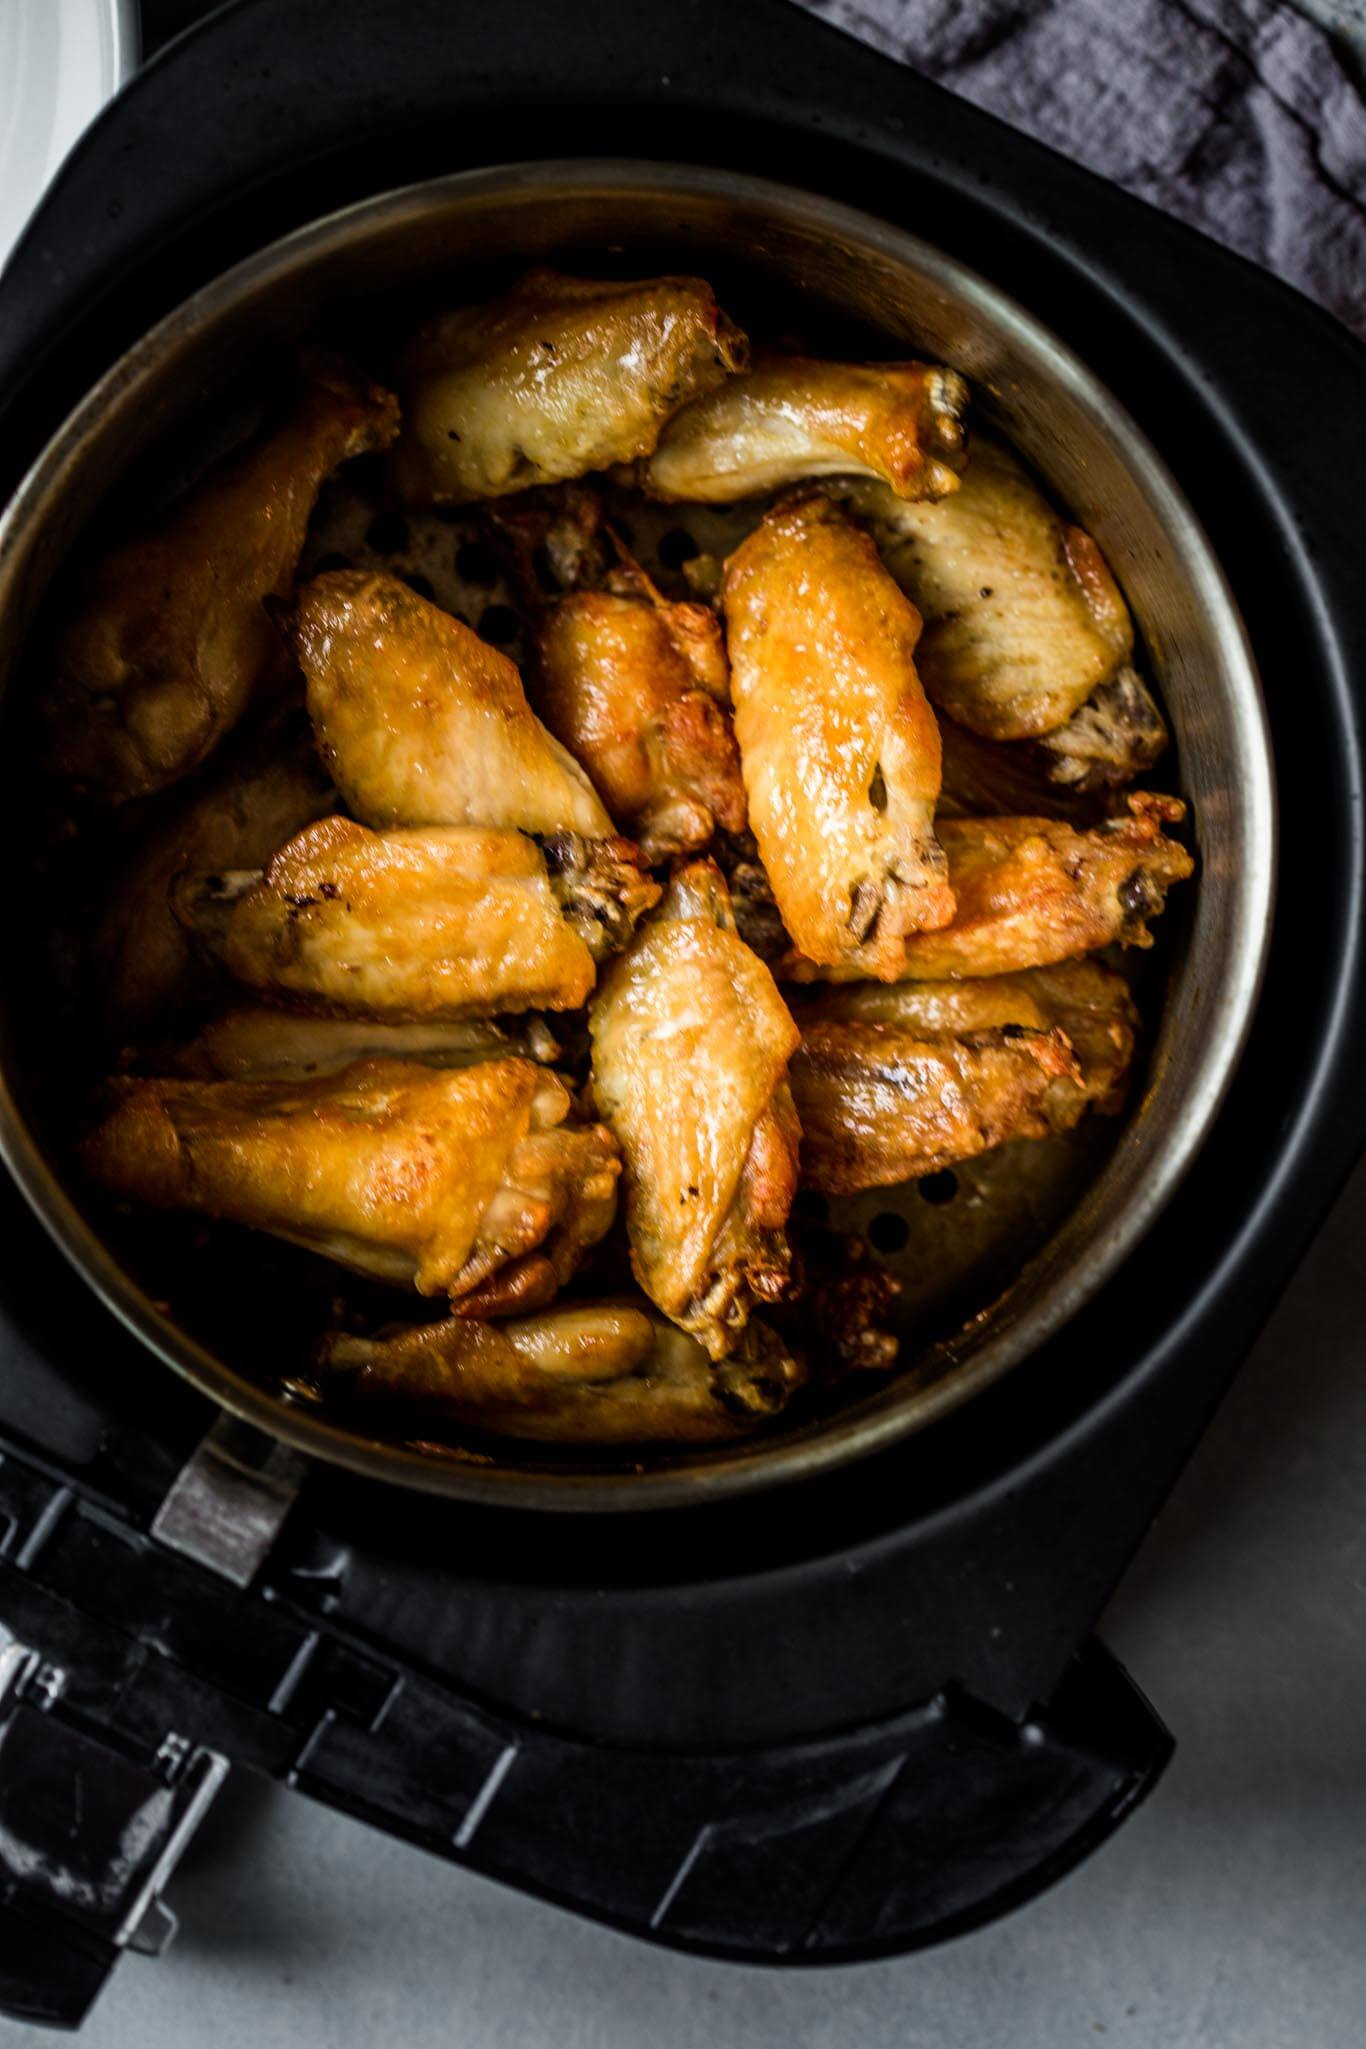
[1032, 891]
[444, 923]
[422, 723]
[839, 748]
[255, 1042]
[1024, 625]
[590, 1373]
[884, 1103]
[563, 376]
[470, 1183]
[170, 634]
[638, 688]
[794, 417]
[1090, 1003]
[144, 965]
[690, 1048]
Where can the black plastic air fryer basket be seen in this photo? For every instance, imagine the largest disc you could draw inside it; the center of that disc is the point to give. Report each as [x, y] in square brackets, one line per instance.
[853, 1715]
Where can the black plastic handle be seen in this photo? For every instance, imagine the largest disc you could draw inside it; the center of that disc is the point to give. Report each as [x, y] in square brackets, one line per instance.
[866, 1842]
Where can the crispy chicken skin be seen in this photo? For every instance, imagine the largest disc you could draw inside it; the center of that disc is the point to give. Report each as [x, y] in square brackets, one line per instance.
[637, 689]
[442, 923]
[254, 1042]
[420, 722]
[1090, 1003]
[691, 1042]
[469, 1183]
[839, 747]
[1034, 891]
[170, 634]
[794, 417]
[562, 376]
[1024, 624]
[897, 1080]
[883, 1103]
[588, 1373]
[145, 968]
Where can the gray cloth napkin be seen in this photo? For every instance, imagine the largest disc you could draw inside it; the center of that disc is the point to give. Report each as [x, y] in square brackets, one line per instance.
[1234, 114]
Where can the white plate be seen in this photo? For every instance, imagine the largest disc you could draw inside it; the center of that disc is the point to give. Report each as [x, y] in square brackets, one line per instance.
[60, 60]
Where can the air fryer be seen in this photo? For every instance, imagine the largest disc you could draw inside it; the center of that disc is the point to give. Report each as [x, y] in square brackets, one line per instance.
[834, 1696]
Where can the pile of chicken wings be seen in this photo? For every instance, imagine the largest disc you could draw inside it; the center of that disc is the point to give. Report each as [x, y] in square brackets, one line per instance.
[715, 896]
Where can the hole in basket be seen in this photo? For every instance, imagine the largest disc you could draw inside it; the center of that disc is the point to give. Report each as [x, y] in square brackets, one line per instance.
[677, 547]
[888, 1232]
[476, 562]
[941, 1187]
[497, 623]
[877, 790]
[387, 533]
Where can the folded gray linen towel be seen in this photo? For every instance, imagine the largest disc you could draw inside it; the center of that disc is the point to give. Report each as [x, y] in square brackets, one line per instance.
[1236, 115]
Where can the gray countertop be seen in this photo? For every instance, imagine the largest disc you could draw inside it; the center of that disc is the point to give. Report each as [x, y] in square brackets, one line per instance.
[1229, 1913]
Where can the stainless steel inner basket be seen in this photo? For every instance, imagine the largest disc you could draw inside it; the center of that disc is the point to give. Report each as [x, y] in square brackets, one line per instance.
[1080, 1210]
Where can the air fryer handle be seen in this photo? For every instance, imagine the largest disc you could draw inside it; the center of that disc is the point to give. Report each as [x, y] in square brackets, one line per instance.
[871, 1842]
[132, 1669]
[868, 1843]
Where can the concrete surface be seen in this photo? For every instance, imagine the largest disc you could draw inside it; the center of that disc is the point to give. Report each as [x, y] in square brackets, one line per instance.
[1229, 1913]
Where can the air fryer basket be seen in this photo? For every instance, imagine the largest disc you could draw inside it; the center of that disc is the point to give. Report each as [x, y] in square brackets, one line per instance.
[188, 387]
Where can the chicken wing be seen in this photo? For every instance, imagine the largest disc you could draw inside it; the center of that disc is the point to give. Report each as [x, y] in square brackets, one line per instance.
[690, 1048]
[882, 1103]
[422, 723]
[1026, 635]
[443, 923]
[895, 1081]
[591, 1373]
[638, 689]
[469, 1183]
[257, 1043]
[794, 417]
[1090, 1003]
[1033, 891]
[563, 376]
[839, 748]
[170, 633]
[145, 969]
